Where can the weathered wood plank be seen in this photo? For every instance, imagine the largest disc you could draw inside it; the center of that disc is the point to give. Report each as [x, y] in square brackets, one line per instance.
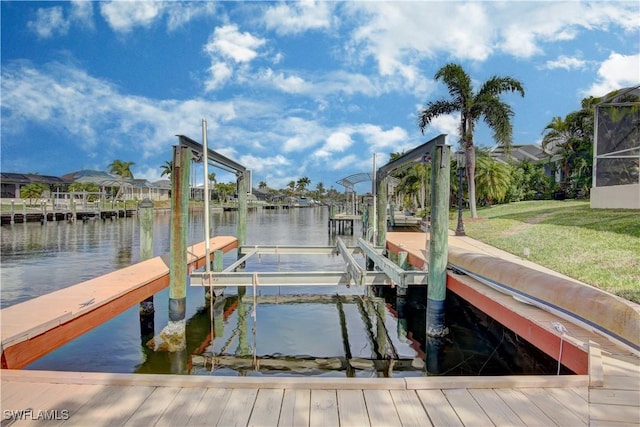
[58, 397]
[556, 410]
[238, 408]
[620, 382]
[410, 409]
[266, 409]
[382, 410]
[352, 408]
[466, 407]
[614, 413]
[438, 408]
[112, 405]
[324, 408]
[496, 409]
[181, 407]
[210, 408]
[295, 409]
[529, 413]
[615, 397]
[150, 411]
[571, 400]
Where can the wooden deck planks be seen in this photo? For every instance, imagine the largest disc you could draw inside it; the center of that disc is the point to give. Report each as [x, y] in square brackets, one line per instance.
[410, 409]
[552, 407]
[352, 408]
[266, 409]
[209, 410]
[181, 407]
[296, 405]
[382, 410]
[324, 408]
[528, 412]
[496, 409]
[438, 408]
[467, 408]
[112, 405]
[238, 408]
[152, 409]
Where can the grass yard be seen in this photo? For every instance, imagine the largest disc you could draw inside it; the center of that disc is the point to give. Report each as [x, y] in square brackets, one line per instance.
[600, 247]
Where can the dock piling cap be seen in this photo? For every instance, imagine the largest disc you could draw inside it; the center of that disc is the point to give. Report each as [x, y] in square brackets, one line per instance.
[146, 203]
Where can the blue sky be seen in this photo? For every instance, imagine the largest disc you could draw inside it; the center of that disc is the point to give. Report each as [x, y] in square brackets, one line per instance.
[288, 89]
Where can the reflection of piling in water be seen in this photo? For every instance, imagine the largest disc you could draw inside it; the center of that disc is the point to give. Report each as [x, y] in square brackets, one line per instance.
[147, 311]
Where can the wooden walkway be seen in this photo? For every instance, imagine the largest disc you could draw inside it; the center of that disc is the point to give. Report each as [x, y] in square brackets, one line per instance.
[171, 400]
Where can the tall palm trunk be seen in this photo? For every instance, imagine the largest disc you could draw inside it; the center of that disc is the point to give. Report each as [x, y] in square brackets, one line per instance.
[471, 174]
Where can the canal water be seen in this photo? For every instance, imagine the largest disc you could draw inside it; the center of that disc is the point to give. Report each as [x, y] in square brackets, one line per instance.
[288, 331]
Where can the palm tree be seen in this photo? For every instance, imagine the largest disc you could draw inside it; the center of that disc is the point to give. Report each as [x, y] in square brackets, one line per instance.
[571, 139]
[291, 187]
[302, 184]
[485, 103]
[167, 167]
[262, 185]
[212, 182]
[493, 178]
[123, 170]
[32, 191]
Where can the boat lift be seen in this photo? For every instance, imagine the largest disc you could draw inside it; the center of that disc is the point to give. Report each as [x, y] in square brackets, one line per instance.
[387, 273]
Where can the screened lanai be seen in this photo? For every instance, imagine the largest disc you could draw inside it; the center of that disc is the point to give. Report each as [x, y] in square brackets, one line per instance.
[616, 163]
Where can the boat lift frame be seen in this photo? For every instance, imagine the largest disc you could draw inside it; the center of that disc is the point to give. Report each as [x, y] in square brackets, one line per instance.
[387, 273]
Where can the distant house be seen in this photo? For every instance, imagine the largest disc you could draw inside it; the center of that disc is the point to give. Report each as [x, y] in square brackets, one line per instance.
[529, 152]
[13, 182]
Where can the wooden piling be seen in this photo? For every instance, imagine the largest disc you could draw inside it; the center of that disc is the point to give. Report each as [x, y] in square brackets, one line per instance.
[438, 242]
[382, 189]
[173, 335]
[243, 188]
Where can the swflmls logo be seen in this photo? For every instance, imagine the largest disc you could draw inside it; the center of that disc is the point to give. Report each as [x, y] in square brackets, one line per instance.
[30, 414]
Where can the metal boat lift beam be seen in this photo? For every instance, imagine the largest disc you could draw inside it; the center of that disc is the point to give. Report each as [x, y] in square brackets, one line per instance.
[217, 158]
[298, 278]
[398, 275]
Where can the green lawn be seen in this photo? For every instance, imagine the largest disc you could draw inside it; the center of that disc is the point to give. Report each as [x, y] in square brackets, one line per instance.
[600, 247]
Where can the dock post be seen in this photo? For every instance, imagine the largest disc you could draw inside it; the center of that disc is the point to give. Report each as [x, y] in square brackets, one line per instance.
[217, 265]
[242, 209]
[382, 189]
[147, 310]
[401, 296]
[173, 336]
[13, 212]
[438, 242]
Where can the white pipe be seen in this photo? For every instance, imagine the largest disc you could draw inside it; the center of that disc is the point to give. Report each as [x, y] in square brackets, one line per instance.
[205, 160]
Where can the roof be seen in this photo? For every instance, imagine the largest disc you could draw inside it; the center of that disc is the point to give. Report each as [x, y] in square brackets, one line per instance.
[519, 152]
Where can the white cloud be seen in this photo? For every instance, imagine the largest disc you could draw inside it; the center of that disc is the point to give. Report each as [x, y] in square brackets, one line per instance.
[180, 14]
[616, 72]
[566, 62]
[49, 22]
[123, 16]
[400, 36]
[294, 18]
[52, 21]
[229, 42]
[264, 164]
[95, 114]
[220, 73]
